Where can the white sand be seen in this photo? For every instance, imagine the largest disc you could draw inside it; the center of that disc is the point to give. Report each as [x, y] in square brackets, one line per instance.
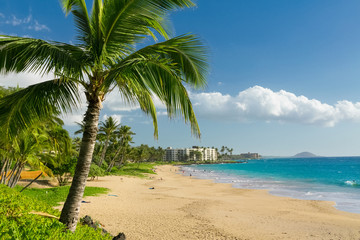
[184, 208]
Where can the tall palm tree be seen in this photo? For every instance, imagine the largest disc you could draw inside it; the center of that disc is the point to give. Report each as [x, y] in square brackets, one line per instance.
[124, 134]
[107, 129]
[104, 58]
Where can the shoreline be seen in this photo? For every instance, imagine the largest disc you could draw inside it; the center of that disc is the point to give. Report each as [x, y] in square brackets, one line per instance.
[346, 198]
[181, 207]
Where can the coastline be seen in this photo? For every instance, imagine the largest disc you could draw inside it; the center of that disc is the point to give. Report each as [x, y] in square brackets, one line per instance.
[181, 207]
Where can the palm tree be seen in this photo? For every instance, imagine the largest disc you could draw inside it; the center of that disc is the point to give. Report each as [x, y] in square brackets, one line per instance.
[103, 59]
[222, 150]
[107, 129]
[82, 128]
[230, 151]
[124, 134]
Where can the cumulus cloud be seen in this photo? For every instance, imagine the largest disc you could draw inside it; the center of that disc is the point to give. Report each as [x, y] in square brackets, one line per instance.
[253, 104]
[258, 103]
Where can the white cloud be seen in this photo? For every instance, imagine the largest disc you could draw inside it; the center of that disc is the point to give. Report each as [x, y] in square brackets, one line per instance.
[253, 104]
[116, 117]
[13, 20]
[115, 102]
[28, 22]
[71, 119]
[162, 113]
[23, 79]
[258, 103]
[38, 27]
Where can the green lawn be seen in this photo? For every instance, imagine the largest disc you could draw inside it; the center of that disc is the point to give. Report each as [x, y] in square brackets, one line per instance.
[53, 196]
[135, 169]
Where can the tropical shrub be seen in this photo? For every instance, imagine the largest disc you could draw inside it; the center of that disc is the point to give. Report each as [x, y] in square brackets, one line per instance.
[96, 171]
[22, 217]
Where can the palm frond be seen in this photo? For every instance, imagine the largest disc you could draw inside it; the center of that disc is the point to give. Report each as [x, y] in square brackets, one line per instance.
[134, 92]
[81, 17]
[151, 77]
[129, 21]
[19, 54]
[185, 55]
[96, 27]
[20, 110]
[161, 69]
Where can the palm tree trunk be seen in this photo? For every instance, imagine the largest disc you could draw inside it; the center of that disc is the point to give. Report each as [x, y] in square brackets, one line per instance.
[12, 174]
[3, 170]
[70, 212]
[5, 173]
[102, 157]
[122, 159]
[7, 170]
[17, 176]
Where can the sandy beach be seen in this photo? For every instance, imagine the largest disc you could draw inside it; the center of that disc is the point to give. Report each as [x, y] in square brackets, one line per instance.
[181, 207]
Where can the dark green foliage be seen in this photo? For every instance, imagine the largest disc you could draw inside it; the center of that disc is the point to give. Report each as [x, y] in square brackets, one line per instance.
[17, 221]
[64, 170]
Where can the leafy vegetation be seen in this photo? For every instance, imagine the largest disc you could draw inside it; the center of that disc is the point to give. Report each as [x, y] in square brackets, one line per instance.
[42, 145]
[21, 217]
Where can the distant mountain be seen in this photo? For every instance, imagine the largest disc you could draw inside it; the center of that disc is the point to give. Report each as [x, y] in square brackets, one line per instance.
[304, 155]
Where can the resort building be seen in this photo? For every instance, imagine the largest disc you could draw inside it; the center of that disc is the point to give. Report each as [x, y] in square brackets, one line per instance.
[250, 155]
[190, 154]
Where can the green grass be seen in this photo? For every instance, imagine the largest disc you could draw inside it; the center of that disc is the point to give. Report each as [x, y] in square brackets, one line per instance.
[53, 196]
[134, 169]
[17, 221]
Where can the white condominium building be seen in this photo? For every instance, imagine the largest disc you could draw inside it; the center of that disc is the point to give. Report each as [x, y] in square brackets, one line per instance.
[190, 154]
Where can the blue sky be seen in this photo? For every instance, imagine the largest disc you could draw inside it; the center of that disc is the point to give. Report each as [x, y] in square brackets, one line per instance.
[284, 74]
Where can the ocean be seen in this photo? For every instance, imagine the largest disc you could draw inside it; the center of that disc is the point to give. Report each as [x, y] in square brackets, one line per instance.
[328, 178]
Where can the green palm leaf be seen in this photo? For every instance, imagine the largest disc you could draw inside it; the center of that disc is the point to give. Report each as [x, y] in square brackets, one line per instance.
[36, 102]
[19, 54]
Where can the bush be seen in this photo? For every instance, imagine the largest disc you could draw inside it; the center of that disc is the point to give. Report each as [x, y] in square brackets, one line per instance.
[18, 221]
[96, 171]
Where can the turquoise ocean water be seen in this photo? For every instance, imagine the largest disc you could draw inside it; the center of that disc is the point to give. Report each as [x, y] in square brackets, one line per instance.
[333, 179]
